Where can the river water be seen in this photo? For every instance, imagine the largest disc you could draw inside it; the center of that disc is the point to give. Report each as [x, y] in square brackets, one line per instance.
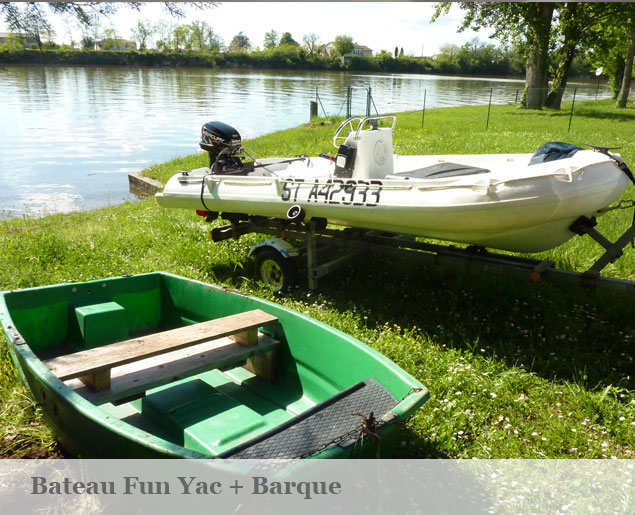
[69, 136]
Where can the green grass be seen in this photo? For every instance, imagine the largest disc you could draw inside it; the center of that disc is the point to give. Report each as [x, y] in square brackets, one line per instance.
[516, 369]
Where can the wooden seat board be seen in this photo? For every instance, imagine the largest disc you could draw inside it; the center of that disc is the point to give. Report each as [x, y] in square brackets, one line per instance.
[90, 361]
[135, 378]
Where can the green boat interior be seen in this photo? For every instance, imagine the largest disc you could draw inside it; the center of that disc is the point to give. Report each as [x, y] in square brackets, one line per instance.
[182, 362]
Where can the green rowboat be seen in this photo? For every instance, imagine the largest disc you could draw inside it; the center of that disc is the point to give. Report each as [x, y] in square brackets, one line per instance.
[157, 365]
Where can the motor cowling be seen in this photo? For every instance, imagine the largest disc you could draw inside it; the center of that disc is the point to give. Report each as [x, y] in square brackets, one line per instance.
[223, 143]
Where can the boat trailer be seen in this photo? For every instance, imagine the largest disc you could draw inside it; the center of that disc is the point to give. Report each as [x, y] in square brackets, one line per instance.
[277, 260]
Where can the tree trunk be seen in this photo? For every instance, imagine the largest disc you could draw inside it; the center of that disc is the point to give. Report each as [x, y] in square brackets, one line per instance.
[554, 98]
[615, 79]
[628, 72]
[536, 78]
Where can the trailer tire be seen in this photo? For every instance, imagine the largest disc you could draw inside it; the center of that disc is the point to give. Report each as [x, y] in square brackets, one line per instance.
[273, 269]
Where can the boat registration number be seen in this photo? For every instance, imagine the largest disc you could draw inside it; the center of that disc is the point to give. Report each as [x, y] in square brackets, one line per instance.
[333, 191]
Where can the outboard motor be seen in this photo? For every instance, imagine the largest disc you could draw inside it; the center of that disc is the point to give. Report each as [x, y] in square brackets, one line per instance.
[223, 144]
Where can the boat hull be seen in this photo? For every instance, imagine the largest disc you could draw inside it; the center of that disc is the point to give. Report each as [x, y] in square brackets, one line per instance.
[512, 207]
[314, 364]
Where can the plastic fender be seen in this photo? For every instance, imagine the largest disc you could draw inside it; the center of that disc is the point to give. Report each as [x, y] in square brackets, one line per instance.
[284, 247]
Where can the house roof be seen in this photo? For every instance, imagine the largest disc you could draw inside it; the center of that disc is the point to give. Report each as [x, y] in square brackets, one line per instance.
[362, 47]
[355, 45]
[117, 40]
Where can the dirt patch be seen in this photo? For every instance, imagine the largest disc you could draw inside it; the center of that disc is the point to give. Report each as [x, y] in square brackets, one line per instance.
[9, 450]
[37, 453]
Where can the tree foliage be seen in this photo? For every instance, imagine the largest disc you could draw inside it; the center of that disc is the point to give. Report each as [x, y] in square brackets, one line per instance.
[240, 42]
[142, 32]
[33, 17]
[182, 37]
[287, 39]
[528, 23]
[311, 42]
[573, 30]
[552, 35]
[202, 37]
[271, 39]
[343, 44]
[628, 63]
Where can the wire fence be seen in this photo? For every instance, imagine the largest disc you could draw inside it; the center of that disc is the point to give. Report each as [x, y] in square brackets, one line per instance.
[360, 100]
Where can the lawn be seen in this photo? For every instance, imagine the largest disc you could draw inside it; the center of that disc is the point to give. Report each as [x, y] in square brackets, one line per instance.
[516, 369]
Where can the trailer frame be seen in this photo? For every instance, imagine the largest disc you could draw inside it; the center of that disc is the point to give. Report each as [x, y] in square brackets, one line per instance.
[352, 243]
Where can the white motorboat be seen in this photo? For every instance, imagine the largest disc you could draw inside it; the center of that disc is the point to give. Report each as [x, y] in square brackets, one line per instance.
[515, 202]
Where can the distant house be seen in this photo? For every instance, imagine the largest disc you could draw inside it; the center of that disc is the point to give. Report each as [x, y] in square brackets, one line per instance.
[116, 44]
[358, 51]
[27, 40]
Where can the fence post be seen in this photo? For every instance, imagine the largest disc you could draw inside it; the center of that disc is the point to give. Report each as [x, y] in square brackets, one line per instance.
[313, 110]
[348, 101]
[373, 102]
[319, 101]
[489, 107]
[423, 117]
[572, 104]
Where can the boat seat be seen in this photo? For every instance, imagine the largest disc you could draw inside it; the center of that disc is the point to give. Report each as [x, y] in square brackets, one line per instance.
[130, 367]
[438, 171]
[338, 417]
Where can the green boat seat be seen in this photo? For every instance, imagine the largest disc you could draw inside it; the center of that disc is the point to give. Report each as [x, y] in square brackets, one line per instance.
[130, 367]
[210, 419]
[103, 323]
[230, 421]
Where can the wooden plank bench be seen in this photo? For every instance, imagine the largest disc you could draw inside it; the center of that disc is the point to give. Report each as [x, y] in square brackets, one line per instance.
[149, 361]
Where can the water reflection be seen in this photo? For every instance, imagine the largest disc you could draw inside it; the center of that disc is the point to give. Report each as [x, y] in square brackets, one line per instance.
[70, 135]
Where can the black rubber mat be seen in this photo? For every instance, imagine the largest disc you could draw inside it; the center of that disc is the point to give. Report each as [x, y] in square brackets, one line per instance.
[318, 426]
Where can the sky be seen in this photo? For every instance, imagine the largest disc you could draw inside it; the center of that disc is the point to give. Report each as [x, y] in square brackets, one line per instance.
[378, 25]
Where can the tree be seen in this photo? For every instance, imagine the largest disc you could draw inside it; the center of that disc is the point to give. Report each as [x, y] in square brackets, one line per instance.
[181, 37]
[88, 43]
[610, 48]
[311, 42]
[396, 52]
[343, 45]
[271, 39]
[287, 39]
[240, 42]
[142, 32]
[526, 22]
[446, 60]
[163, 30]
[574, 28]
[32, 17]
[628, 70]
[202, 36]
[70, 26]
[28, 19]
[214, 42]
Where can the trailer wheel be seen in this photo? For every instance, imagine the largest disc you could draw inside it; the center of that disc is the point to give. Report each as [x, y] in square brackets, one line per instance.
[273, 269]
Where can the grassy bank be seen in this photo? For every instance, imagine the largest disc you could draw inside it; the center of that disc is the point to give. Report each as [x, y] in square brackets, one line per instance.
[515, 369]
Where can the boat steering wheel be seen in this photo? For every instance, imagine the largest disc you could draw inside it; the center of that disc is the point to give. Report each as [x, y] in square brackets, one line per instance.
[348, 122]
